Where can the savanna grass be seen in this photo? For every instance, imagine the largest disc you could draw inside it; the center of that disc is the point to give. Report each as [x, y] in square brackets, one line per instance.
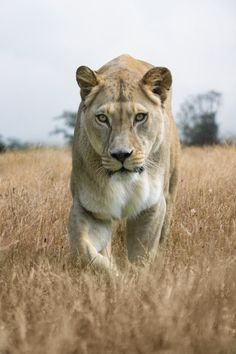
[184, 303]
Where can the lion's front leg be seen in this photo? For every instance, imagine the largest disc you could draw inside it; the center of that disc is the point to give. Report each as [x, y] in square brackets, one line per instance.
[143, 233]
[89, 237]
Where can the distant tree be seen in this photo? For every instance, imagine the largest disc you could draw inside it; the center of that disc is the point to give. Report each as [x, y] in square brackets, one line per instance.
[197, 119]
[2, 145]
[16, 144]
[9, 144]
[69, 119]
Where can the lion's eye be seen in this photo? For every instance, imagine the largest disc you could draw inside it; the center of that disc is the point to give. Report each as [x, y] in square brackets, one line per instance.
[140, 117]
[102, 118]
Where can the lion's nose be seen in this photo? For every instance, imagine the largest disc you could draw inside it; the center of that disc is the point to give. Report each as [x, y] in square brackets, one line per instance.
[121, 155]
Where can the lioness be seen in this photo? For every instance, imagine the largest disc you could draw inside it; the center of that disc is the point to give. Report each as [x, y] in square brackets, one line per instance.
[125, 159]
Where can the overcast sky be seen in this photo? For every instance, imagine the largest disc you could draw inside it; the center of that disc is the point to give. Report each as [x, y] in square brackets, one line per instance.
[42, 42]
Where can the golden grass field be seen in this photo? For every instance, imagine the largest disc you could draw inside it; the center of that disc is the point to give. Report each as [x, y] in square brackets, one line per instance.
[185, 303]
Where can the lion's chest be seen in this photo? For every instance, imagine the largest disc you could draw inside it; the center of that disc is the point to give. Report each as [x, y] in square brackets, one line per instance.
[126, 197]
[130, 198]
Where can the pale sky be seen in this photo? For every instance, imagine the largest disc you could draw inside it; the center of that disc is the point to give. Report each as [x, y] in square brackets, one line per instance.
[42, 42]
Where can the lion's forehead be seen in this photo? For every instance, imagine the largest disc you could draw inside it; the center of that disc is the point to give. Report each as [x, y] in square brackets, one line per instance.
[121, 86]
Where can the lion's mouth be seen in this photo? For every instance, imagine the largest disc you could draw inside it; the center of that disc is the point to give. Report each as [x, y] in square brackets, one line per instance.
[124, 170]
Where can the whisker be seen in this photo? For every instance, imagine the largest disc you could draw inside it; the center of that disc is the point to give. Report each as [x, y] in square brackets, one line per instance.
[152, 163]
[99, 171]
[150, 170]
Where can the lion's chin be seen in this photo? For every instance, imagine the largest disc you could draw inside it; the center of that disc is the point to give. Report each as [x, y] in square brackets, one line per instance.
[125, 171]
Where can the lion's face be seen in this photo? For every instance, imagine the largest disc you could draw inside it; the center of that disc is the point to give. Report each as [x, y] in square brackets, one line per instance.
[123, 118]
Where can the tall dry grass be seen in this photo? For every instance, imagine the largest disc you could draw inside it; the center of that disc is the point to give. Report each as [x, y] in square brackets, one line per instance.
[186, 302]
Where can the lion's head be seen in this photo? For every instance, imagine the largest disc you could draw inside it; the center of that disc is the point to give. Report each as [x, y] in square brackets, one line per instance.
[123, 114]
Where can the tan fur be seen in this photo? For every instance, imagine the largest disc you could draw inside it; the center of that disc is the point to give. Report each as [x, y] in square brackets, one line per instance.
[121, 89]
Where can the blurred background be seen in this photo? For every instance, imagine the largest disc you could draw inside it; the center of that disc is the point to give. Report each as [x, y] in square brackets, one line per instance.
[43, 42]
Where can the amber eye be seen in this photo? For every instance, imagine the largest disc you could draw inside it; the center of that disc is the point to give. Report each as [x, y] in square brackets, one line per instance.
[140, 117]
[102, 118]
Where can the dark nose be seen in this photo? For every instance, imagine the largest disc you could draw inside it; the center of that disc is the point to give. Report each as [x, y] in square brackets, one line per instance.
[121, 155]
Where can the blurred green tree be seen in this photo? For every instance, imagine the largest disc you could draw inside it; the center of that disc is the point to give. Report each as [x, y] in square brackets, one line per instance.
[2, 145]
[17, 144]
[197, 119]
[69, 119]
[7, 144]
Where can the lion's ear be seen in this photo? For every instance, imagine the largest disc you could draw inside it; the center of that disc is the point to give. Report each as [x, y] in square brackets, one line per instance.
[87, 79]
[159, 81]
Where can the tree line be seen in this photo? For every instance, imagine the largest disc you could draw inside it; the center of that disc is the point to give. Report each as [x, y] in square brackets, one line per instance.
[196, 122]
